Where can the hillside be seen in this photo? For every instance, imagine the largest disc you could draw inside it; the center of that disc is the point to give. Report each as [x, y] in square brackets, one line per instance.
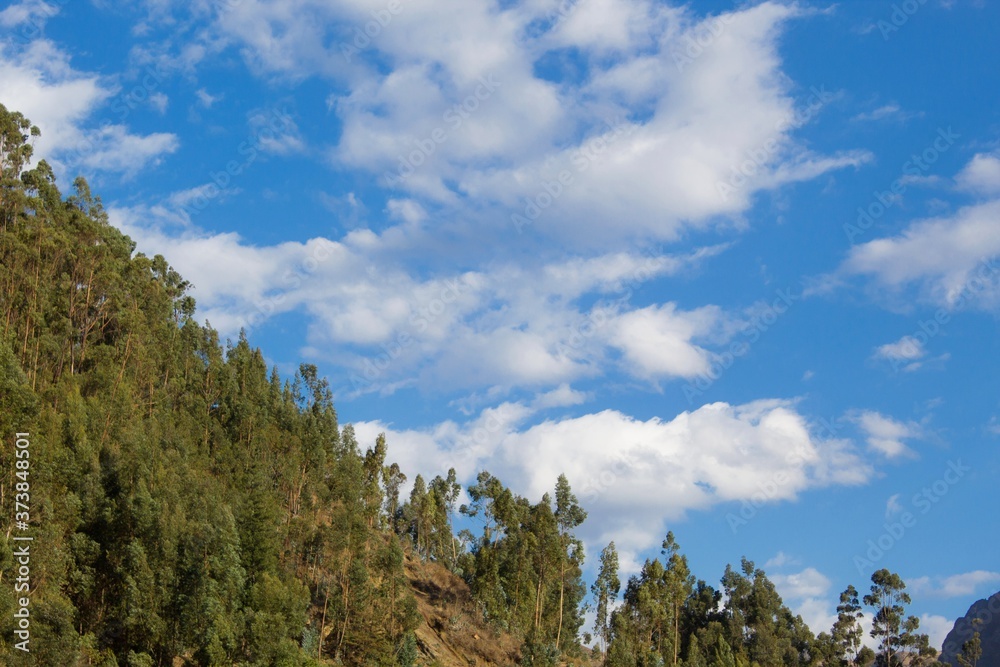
[987, 611]
[450, 632]
[186, 505]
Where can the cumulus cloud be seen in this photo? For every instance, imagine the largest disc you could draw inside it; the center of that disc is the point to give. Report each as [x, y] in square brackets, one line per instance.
[809, 583]
[886, 435]
[981, 175]
[657, 340]
[39, 81]
[446, 101]
[805, 593]
[505, 325]
[956, 585]
[29, 16]
[950, 261]
[936, 628]
[634, 475]
[905, 352]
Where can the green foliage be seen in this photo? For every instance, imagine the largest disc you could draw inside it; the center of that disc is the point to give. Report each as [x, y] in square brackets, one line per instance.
[847, 631]
[192, 505]
[605, 591]
[196, 508]
[887, 598]
[972, 650]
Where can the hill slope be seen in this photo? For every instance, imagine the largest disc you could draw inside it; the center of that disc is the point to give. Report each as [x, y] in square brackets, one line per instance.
[450, 632]
[988, 612]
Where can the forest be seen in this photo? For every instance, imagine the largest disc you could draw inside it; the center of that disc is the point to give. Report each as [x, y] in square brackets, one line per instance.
[190, 506]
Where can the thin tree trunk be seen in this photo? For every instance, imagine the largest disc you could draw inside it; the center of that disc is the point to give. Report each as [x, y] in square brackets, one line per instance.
[562, 591]
[322, 625]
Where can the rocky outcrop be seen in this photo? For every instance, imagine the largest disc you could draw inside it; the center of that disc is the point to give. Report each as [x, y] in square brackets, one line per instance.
[987, 611]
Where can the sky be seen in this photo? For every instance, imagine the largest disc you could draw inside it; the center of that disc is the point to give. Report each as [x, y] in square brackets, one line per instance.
[731, 267]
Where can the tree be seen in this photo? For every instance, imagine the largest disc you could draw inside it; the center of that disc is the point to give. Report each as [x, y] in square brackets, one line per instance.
[972, 650]
[916, 645]
[847, 630]
[193, 507]
[679, 584]
[393, 479]
[605, 590]
[568, 516]
[421, 516]
[443, 493]
[887, 598]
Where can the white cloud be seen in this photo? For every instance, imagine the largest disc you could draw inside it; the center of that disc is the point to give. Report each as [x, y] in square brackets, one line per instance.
[893, 506]
[114, 148]
[206, 99]
[561, 396]
[159, 102]
[884, 111]
[692, 126]
[886, 435]
[633, 475]
[40, 82]
[906, 348]
[981, 175]
[905, 352]
[805, 593]
[276, 131]
[29, 15]
[936, 628]
[809, 583]
[949, 260]
[657, 340]
[507, 325]
[781, 559]
[956, 585]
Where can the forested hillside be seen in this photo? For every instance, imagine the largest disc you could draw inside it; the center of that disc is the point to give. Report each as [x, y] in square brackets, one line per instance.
[190, 506]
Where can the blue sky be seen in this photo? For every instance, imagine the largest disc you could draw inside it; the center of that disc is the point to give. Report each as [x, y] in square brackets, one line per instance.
[733, 268]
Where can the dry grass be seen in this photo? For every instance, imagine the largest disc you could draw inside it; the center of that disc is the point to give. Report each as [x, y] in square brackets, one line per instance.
[452, 633]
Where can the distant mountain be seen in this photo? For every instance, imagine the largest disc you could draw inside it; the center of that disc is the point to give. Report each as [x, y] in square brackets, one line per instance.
[988, 611]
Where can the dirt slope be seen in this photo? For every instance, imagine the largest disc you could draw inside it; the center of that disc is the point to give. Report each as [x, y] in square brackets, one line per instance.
[451, 633]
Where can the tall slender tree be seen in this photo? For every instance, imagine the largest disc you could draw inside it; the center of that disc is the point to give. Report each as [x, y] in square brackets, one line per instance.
[887, 599]
[847, 631]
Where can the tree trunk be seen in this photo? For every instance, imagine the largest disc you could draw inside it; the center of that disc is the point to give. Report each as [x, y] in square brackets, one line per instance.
[562, 590]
